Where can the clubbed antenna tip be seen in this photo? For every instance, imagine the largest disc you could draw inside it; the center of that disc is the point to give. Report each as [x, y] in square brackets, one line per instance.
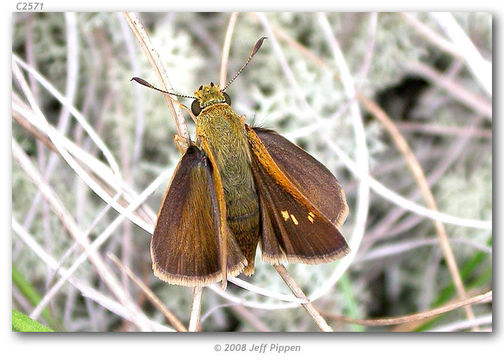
[149, 85]
[256, 48]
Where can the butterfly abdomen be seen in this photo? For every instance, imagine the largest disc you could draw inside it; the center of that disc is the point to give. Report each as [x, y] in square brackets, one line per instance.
[243, 219]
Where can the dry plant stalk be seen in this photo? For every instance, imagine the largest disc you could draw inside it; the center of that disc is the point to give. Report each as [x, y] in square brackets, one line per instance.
[170, 316]
[152, 55]
[194, 321]
[225, 49]
[36, 133]
[477, 102]
[482, 298]
[296, 290]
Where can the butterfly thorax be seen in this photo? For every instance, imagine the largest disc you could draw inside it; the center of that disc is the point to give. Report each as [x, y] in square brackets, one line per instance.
[225, 133]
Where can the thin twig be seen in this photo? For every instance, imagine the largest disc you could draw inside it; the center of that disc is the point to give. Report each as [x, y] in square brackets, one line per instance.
[431, 35]
[477, 102]
[296, 290]
[366, 63]
[465, 324]
[480, 68]
[194, 321]
[483, 298]
[153, 56]
[33, 130]
[139, 98]
[70, 93]
[225, 49]
[170, 316]
[447, 130]
[249, 317]
[404, 245]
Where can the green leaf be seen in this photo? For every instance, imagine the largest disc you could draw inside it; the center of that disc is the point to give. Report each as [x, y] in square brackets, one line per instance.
[449, 291]
[351, 304]
[22, 323]
[32, 295]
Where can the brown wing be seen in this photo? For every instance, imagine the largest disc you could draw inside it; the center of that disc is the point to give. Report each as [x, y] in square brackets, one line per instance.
[312, 178]
[185, 244]
[298, 223]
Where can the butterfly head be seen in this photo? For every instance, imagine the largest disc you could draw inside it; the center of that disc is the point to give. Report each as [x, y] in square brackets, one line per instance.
[208, 95]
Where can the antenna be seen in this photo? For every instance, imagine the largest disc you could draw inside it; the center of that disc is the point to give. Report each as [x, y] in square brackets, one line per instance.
[254, 50]
[146, 83]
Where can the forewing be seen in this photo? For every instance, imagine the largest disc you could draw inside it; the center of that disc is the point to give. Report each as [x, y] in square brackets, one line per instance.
[309, 176]
[293, 228]
[185, 244]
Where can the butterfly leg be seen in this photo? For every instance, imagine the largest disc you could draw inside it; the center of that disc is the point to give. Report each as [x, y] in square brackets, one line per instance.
[181, 143]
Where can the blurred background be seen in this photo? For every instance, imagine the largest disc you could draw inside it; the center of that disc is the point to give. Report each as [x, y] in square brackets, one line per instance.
[372, 96]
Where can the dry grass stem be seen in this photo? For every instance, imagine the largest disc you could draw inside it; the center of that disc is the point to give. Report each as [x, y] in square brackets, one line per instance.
[466, 324]
[225, 49]
[249, 317]
[152, 55]
[436, 129]
[39, 135]
[431, 35]
[483, 298]
[170, 316]
[477, 102]
[296, 290]
[194, 320]
[480, 68]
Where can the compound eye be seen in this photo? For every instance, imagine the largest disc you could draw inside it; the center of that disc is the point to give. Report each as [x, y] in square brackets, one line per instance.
[227, 99]
[195, 107]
